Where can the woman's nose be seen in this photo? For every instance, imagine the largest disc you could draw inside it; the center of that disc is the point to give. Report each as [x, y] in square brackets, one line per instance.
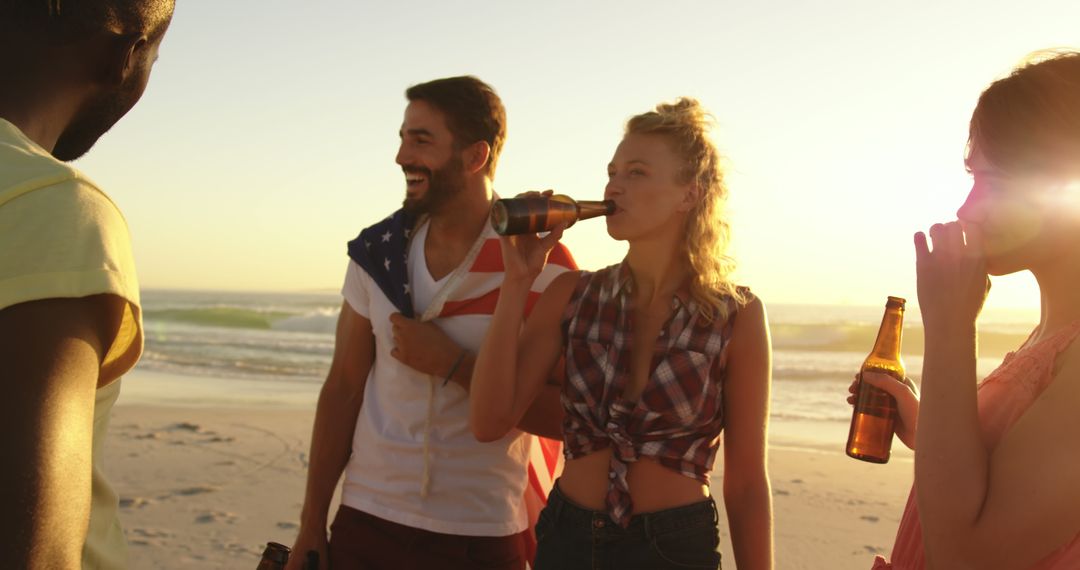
[612, 188]
[972, 209]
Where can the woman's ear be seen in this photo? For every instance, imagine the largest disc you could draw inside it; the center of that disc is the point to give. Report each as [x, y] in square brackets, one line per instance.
[691, 197]
[477, 156]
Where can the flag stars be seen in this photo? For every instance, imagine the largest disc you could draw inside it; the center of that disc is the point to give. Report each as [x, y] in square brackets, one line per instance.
[386, 236]
[407, 290]
[386, 264]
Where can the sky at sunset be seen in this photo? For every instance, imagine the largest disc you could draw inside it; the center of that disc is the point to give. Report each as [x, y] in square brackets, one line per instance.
[267, 136]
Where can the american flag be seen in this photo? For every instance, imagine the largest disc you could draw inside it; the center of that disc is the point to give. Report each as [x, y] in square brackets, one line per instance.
[381, 250]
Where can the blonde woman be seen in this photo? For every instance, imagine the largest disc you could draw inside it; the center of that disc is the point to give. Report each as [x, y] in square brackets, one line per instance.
[662, 353]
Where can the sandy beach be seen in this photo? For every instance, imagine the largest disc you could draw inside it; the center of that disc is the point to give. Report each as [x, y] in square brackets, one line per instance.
[208, 471]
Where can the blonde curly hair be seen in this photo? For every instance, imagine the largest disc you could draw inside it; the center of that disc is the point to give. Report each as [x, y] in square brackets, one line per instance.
[685, 123]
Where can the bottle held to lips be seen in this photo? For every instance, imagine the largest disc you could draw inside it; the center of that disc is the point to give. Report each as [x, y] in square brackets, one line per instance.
[874, 417]
[538, 213]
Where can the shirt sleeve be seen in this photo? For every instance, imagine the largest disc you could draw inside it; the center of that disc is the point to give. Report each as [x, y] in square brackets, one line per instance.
[68, 240]
[355, 289]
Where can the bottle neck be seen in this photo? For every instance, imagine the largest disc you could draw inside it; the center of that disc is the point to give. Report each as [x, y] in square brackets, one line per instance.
[887, 345]
[594, 208]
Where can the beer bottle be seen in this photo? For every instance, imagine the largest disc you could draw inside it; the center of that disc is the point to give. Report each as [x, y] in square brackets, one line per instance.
[874, 416]
[274, 557]
[534, 214]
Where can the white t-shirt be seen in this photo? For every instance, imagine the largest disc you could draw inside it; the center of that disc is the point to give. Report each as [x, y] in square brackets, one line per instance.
[475, 489]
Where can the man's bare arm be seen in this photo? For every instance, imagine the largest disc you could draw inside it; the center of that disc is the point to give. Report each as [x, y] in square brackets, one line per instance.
[51, 353]
[335, 421]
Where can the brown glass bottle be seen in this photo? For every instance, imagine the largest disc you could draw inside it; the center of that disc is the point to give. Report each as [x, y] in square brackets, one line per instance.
[534, 214]
[274, 557]
[872, 421]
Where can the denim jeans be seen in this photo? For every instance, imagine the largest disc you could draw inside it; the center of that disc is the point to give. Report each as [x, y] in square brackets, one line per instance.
[571, 537]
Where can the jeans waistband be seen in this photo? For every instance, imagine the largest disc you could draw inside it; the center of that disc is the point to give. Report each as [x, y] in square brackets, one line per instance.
[645, 525]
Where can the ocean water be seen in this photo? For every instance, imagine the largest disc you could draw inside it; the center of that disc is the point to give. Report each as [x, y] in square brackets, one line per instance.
[289, 338]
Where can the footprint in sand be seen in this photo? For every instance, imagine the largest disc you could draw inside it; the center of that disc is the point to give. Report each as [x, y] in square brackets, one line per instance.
[781, 492]
[152, 532]
[216, 516]
[871, 549]
[196, 490]
[870, 518]
[236, 548]
[134, 502]
[148, 537]
[188, 492]
[287, 525]
[797, 481]
[185, 426]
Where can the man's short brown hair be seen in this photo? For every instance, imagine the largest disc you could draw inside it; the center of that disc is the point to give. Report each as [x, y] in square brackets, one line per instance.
[473, 111]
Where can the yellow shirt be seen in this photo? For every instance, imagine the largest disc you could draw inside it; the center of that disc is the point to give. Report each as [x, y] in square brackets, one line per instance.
[63, 237]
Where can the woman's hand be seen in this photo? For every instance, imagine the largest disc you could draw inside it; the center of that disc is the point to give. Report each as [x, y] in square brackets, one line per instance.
[524, 256]
[906, 395]
[952, 278]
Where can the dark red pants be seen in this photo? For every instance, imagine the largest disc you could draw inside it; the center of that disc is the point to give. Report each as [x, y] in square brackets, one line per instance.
[359, 541]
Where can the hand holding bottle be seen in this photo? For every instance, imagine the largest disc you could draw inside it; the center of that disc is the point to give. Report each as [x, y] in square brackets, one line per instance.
[307, 542]
[525, 255]
[874, 417]
[906, 394]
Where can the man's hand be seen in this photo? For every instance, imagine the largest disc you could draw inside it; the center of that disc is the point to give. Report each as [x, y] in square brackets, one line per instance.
[424, 347]
[308, 540]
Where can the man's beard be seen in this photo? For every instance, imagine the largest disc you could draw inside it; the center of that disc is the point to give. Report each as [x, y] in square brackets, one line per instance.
[444, 185]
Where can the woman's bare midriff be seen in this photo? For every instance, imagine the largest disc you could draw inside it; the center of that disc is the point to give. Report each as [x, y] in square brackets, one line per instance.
[653, 487]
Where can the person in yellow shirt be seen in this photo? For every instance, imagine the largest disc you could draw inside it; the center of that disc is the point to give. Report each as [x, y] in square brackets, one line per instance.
[70, 322]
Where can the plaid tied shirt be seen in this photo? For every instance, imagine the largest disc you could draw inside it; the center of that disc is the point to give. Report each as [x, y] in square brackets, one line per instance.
[679, 416]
